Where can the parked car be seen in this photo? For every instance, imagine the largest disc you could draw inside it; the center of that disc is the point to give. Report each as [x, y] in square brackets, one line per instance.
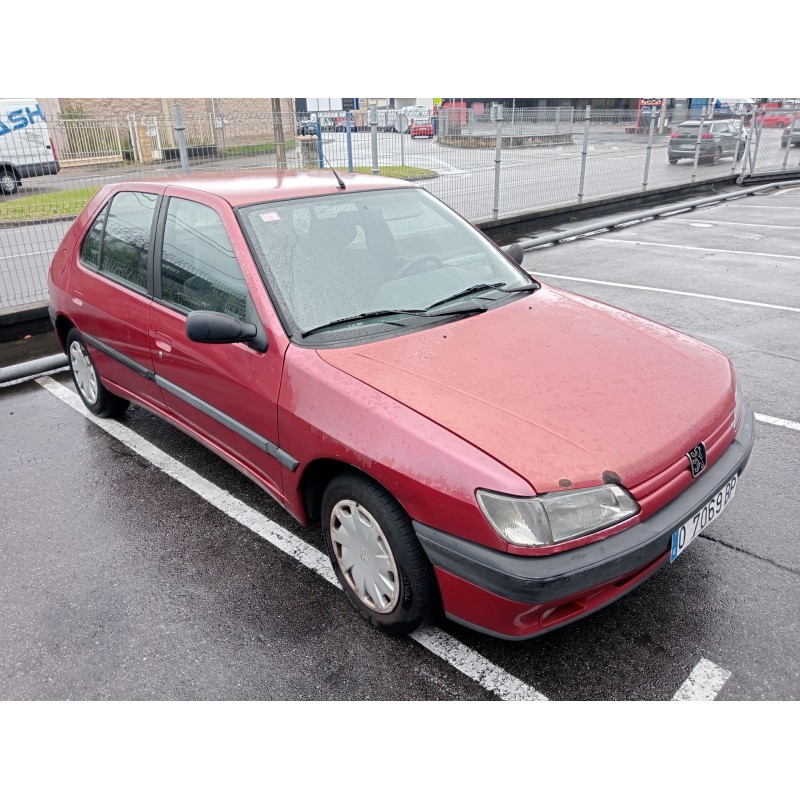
[791, 133]
[717, 140]
[26, 148]
[340, 125]
[308, 125]
[421, 128]
[468, 438]
[779, 119]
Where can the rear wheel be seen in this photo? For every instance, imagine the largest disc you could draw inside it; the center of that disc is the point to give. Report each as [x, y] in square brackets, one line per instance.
[715, 158]
[673, 161]
[8, 183]
[780, 125]
[376, 555]
[94, 395]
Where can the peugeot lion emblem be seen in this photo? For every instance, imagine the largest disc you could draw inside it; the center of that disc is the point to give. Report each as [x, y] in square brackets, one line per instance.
[697, 459]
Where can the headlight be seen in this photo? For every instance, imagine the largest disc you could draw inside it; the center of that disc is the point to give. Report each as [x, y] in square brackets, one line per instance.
[738, 408]
[558, 516]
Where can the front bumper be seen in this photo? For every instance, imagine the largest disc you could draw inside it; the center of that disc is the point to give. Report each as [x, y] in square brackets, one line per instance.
[516, 596]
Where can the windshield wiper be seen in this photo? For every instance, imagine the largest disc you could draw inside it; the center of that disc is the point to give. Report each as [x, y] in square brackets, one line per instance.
[463, 310]
[482, 287]
[386, 312]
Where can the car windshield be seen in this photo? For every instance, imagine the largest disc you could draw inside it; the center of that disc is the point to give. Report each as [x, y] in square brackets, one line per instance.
[333, 261]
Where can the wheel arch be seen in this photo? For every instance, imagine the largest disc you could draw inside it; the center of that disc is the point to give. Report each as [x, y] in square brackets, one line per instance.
[63, 326]
[316, 477]
[7, 166]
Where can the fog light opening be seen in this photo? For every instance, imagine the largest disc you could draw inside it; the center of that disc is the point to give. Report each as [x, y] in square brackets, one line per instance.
[561, 612]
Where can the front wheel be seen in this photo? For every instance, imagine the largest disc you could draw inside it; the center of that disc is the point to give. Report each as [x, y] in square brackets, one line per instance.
[376, 555]
[8, 183]
[94, 395]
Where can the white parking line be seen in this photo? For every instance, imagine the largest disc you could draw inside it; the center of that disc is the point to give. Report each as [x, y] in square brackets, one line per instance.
[488, 675]
[744, 224]
[704, 682]
[690, 247]
[665, 291]
[783, 423]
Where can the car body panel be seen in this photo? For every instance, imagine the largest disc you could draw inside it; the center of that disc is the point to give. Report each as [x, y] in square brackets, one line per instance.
[554, 387]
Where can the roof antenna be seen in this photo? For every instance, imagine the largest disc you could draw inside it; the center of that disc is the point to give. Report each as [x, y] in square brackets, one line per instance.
[338, 179]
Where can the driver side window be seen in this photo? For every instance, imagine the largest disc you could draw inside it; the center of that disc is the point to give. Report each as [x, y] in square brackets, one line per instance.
[199, 271]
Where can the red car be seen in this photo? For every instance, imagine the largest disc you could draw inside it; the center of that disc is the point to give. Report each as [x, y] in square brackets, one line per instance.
[421, 128]
[469, 439]
[779, 119]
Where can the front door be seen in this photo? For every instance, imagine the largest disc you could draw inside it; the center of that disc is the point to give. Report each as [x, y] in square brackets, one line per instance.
[226, 393]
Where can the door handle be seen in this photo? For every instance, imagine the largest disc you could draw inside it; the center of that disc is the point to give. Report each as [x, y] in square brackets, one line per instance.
[163, 343]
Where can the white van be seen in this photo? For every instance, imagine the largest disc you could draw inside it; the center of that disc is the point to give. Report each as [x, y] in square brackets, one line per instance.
[26, 149]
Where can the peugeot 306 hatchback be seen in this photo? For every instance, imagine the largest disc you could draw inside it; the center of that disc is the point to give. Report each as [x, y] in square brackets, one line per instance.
[468, 439]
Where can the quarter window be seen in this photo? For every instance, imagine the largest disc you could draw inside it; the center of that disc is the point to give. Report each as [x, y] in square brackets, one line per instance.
[199, 271]
[90, 249]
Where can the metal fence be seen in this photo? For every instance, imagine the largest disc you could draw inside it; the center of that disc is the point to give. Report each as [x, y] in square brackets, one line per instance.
[495, 165]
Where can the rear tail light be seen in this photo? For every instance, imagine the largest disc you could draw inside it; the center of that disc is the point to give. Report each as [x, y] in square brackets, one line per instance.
[53, 149]
[674, 135]
[707, 136]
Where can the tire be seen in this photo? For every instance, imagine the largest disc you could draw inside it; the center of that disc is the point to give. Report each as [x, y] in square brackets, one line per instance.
[8, 183]
[370, 540]
[673, 161]
[715, 158]
[780, 125]
[783, 144]
[95, 396]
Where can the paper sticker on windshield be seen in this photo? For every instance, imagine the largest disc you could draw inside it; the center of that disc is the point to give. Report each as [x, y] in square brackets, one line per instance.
[270, 216]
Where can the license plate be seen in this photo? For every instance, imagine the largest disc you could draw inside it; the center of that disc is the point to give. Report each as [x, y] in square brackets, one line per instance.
[687, 147]
[695, 525]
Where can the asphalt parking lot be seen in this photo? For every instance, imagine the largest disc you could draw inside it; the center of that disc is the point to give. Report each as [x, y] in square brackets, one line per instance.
[136, 565]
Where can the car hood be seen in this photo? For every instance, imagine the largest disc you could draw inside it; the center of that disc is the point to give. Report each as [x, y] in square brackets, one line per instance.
[563, 390]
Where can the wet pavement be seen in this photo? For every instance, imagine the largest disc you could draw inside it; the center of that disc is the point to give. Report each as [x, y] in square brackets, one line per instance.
[119, 581]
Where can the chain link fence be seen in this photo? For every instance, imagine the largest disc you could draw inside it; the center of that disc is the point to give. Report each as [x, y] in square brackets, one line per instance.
[494, 165]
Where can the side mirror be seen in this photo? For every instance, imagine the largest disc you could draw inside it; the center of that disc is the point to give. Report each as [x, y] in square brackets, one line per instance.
[212, 327]
[516, 252]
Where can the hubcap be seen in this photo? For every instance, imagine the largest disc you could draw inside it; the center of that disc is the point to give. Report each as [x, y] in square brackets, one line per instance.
[364, 556]
[83, 370]
[7, 182]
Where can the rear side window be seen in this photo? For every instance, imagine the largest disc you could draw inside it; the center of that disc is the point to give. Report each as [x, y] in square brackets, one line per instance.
[118, 242]
[126, 237]
[199, 271]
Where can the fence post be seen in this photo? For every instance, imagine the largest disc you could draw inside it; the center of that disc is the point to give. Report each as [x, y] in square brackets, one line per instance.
[558, 117]
[402, 147]
[319, 142]
[738, 146]
[349, 129]
[792, 129]
[373, 126]
[649, 151]
[277, 129]
[498, 152]
[585, 151]
[697, 143]
[759, 128]
[179, 129]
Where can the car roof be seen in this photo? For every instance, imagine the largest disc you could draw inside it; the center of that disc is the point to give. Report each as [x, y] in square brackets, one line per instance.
[255, 186]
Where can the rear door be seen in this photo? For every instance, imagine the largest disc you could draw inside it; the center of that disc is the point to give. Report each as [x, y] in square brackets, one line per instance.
[226, 393]
[109, 293]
